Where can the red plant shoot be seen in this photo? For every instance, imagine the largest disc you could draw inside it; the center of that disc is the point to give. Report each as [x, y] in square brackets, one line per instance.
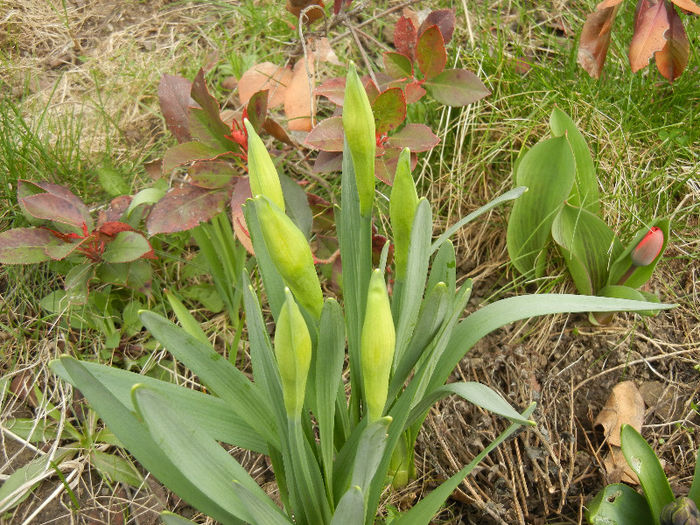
[648, 248]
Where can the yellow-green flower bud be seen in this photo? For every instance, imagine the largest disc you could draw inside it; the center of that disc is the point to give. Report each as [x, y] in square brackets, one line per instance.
[293, 353]
[264, 179]
[358, 124]
[377, 346]
[291, 254]
[402, 209]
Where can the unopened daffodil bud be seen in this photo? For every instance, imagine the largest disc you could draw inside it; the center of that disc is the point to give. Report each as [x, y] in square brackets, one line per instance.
[358, 124]
[293, 353]
[291, 254]
[264, 179]
[402, 209]
[377, 346]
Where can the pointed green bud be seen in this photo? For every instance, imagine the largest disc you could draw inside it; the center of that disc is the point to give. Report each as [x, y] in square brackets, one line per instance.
[291, 254]
[377, 345]
[358, 124]
[264, 179]
[402, 209]
[293, 353]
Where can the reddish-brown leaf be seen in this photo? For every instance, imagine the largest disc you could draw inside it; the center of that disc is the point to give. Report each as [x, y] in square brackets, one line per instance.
[397, 66]
[650, 26]
[327, 135]
[456, 87]
[175, 101]
[205, 124]
[414, 92]
[241, 193]
[299, 106]
[53, 208]
[277, 131]
[595, 40]
[265, 76]
[26, 188]
[328, 161]
[339, 4]
[26, 245]
[688, 5]
[444, 19]
[431, 53]
[117, 207]
[672, 60]
[389, 110]
[257, 109]
[405, 36]
[112, 228]
[371, 89]
[416, 137]
[184, 208]
[211, 174]
[333, 89]
[187, 152]
[314, 9]
[605, 4]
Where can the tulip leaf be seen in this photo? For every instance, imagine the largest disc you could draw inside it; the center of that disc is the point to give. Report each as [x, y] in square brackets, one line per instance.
[207, 465]
[589, 246]
[423, 512]
[584, 193]
[548, 170]
[642, 273]
[694, 492]
[351, 508]
[618, 504]
[642, 460]
[444, 268]
[168, 518]
[625, 292]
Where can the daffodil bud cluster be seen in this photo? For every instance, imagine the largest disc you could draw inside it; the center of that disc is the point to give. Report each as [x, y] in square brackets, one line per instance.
[377, 344]
[264, 179]
[291, 254]
[358, 124]
[402, 208]
[293, 353]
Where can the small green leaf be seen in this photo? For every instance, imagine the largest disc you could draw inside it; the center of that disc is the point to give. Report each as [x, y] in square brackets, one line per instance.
[397, 66]
[389, 110]
[116, 468]
[456, 87]
[126, 247]
[618, 504]
[642, 460]
[430, 52]
[112, 181]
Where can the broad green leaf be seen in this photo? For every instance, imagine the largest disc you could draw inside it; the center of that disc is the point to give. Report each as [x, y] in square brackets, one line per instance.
[116, 468]
[456, 87]
[112, 181]
[350, 509]
[210, 413]
[423, 512]
[641, 274]
[136, 274]
[430, 52]
[126, 247]
[584, 193]
[26, 245]
[136, 437]
[548, 171]
[507, 196]
[642, 460]
[198, 456]
[625, 292]
[476, 393]
[145, 196]
[618, 504]
[219, 375]
[212, 174]
[32, 430]
[589, 247]
[370, 451]
[389, 110]
[397, 66]
[76, 282]
[498, 314]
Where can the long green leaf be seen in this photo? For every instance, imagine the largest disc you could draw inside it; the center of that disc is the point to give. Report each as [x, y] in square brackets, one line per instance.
[475, 393]
[584, 193]
[619, 504]
[168, 518]
[507, 196]
[548, 170]
[137, 439]
[211, 413]
[694, 492]
[424, 511]
[224, 379]
[642, 460]
[498, 314]
[444, 268]
[350, 509]
[185, 318]
[198, 456]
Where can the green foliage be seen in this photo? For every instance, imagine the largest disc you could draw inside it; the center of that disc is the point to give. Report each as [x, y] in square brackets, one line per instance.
[174, 432]
[618, 504]
[562, 204]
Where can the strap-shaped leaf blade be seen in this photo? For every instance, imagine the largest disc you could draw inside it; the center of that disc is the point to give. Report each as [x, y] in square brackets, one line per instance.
[618, 503]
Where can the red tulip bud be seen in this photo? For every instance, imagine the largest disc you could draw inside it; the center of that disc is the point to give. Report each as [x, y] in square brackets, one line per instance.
[648, 248]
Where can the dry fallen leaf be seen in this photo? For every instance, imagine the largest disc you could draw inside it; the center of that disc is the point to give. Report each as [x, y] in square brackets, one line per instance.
[595, 40]
[650, 26]
[672, 60]
[324, 52]
[624, 406]
[617, 468]
[299, 104]
[268, 76]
